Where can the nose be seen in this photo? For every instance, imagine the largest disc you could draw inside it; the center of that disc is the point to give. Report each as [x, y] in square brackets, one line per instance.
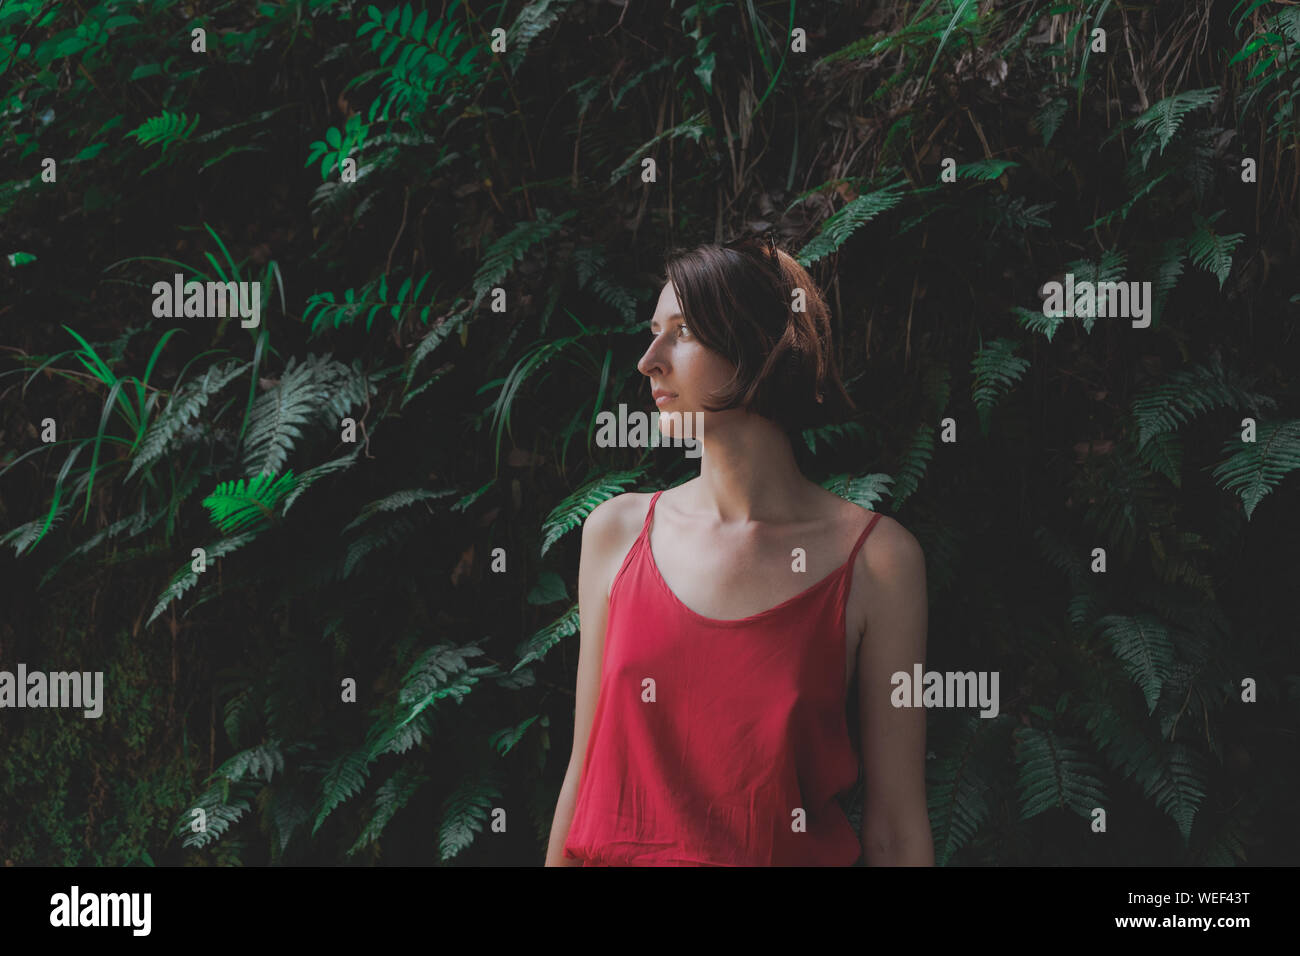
[651, 361]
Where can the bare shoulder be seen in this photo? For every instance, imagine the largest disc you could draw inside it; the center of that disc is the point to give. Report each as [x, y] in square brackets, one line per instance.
[890, 575]
[609, 520]
[609, 533]
[891, 549]
[891, 558]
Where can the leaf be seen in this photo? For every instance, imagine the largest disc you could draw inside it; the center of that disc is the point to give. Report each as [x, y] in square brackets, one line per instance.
[395, 793]
[573, 510]
[464, 814]
[1210, 251]
[846, 221]
[236, 507]
[1055, 773]
[186, 402]
[1142, 643]
[1253, 469]
[344, 778]
[995, 368]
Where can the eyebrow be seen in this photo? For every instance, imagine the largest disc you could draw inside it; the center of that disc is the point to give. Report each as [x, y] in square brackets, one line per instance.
[675, 315]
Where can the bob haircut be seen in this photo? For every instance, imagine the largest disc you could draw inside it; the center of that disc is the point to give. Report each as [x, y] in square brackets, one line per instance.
[738, 300]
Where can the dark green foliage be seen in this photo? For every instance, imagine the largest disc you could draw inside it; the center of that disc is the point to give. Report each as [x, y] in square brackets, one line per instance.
[376, 663]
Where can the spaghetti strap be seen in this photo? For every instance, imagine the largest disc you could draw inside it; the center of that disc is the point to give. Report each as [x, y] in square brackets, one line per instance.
[862, 538]
[650, 512]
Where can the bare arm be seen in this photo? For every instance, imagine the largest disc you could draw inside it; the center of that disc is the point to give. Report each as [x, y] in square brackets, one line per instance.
[895, 821]
[600, 535]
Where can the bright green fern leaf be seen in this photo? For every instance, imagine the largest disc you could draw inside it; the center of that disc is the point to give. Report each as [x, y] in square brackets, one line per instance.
[236, 507]
[167, 129]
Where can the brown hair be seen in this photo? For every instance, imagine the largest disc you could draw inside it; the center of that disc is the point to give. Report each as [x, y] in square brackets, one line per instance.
[736, 299]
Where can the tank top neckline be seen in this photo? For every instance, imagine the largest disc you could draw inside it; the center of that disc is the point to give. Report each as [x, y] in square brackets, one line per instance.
[833, 576]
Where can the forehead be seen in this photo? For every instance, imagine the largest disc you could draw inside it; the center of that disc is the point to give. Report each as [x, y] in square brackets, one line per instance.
[668, 304]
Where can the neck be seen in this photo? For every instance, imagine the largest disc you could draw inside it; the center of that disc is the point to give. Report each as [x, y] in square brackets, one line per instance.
[747, 472]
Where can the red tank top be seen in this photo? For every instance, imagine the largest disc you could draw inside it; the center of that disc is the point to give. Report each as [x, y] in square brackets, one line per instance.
[747, 727]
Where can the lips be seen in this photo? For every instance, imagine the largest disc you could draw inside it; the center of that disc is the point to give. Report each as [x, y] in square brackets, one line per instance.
[661, 396]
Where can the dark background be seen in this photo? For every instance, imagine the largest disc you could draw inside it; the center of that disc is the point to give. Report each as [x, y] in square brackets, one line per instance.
[521, 170]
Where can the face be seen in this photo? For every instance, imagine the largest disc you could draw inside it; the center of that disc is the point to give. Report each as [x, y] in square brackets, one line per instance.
[678, 365]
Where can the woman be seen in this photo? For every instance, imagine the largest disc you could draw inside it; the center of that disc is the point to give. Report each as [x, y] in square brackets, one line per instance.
[711, 725]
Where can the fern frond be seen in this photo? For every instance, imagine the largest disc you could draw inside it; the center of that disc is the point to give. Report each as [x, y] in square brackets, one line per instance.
[984, 169]
[319, 389]
[186, 578]
[573, 510]
[444, 327]
[864, 490]
[502, 254]
[393, 734]
[1226, 844]
[1055, 772]
[464, 814]
[957, 792]
[312, 475]
[536, 647]
[186, 402]
[1172, 774]
[287, 809]
[1143, 644]
[504, 740]
[1164, 456]
[234, 507]
[257, 762]
[344, 778]
[1174, 563]
[1191, 392]
[1253, 469]
[1037, 321]
[167, 129]
[395, 793]
[132, 524]
[693, 127]
[236, 713]
[913, 463]
[381, 533]
[836, 230]
[1048, 119]
[995, 368]
[442, 671]
[936, 387]
[828, 433]
[223, 805]
[1164, 117]
[1167, 269]
[395, 502]
[533, 20]
[1211, 251]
